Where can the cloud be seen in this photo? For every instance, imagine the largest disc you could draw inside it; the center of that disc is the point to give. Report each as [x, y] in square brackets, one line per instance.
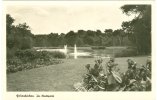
[18, 18]
[17, 15]
[40, 11]
[34, 11]
[63, 18]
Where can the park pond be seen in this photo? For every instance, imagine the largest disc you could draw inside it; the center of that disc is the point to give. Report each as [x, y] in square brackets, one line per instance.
[86, 51]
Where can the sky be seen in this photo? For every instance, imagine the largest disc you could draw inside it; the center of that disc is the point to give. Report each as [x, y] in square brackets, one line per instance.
[62, 18]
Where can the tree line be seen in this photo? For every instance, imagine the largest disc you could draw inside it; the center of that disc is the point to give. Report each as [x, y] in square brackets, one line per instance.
[82, 38]
[136, 32]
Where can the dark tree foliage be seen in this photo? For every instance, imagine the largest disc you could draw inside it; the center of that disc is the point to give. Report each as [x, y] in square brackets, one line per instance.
[9, 22]
[79, 42]
[139, 29]
[119, 35]
[71, 38]
[18, 37]
[130, 9]
[81, 38]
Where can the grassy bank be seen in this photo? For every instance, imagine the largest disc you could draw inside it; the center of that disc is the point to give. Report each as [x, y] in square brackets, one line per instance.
[58, 77]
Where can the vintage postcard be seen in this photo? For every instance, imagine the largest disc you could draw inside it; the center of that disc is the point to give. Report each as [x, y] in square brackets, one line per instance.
[78, 50]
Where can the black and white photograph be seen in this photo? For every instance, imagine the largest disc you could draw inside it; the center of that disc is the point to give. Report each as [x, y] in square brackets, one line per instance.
[94, 46]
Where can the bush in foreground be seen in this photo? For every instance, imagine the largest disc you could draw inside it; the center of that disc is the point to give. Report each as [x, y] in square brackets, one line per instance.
[28, 59]
[134, 79]
[126, 53]
[98, 47]
[57, 54]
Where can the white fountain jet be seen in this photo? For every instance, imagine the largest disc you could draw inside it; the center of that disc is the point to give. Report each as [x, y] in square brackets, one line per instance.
[65, 49]
[75, 52]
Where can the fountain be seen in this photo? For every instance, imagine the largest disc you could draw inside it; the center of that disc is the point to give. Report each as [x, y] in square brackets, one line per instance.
[75, 52]
[65, 49]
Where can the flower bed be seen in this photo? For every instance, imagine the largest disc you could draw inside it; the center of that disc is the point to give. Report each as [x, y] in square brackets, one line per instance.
[28, 59]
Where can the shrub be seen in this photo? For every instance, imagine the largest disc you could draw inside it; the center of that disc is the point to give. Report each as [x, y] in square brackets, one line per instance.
[134, 79]
[28, 59]
[31, 55]
[131, 47]
[12, 70]
[10, 53]
[98, 47]
[126, 53]
[89, 56]
[57, 54]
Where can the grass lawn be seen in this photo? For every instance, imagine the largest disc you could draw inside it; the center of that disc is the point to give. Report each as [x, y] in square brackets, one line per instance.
[59, 77]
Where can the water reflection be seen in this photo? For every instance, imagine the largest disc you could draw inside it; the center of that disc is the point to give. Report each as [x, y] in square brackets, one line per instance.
[82, 52]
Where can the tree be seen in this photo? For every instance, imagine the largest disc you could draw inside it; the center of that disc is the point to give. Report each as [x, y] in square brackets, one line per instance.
[9, 22]
[19, 36]
[139, 29]
[53, 39]
[133, 9]
[109, 34]
[89, 40]
[98, 32]
[23, 30]
[27, 43]
[71, 38]
[91, 33]
[79, 42]
[81, 33]
[119, 35]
